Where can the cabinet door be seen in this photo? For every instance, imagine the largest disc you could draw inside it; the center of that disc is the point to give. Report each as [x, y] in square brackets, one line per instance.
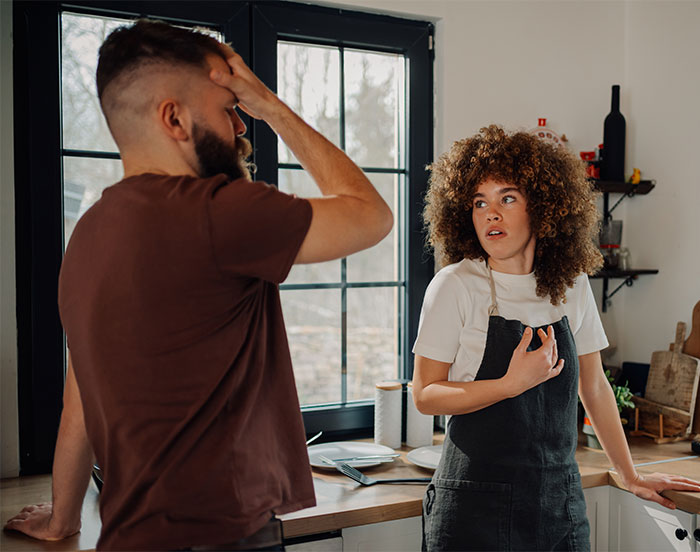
[598, 513]
[399, 534]
[334, 544]
[639, 525]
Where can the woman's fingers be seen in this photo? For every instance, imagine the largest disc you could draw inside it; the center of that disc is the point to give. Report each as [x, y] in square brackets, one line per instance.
[549, 344]
[677, 482]
[656, 497]
[556, 369]
[525, 340]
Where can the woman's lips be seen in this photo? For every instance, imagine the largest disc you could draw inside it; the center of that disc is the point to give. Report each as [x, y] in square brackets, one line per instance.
[495, 234]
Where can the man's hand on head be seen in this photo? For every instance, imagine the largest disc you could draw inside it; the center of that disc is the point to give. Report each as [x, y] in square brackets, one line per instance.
[256, 99]
[227, 50]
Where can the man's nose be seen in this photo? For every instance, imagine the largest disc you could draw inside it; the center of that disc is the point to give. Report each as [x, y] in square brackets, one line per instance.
[239, 127]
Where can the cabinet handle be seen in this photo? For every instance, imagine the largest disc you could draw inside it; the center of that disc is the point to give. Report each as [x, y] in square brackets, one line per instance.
[681, 534]
[696, 534]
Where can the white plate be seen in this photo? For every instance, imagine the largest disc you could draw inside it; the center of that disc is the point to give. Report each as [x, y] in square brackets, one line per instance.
[425, 457]
[346, 449]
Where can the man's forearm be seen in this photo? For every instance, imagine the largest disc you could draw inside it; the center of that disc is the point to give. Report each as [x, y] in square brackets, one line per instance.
[331, 168]
[72, 466]
[73, 460]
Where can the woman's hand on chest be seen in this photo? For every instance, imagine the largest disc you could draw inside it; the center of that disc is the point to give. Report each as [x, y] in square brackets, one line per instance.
[528, 369]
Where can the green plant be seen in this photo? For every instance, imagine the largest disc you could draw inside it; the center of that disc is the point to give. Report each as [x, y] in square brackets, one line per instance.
[623, 395]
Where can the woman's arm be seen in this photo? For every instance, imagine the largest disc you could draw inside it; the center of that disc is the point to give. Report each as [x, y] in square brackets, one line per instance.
[71, 474]
[599, 401]
[435, 395]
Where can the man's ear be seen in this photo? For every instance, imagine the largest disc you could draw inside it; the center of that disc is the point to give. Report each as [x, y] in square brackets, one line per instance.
[175, 120]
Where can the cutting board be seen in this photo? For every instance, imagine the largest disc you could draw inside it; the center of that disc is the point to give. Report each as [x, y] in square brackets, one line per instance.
[692, 344]
[673, 377]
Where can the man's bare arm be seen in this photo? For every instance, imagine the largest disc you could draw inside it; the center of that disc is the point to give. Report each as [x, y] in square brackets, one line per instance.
[71, 474]
[352, 215]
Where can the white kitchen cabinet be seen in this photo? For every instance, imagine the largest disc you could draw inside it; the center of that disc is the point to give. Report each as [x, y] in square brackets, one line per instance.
[333, 544]
[598, 513]
[402, 535]
[640, 525]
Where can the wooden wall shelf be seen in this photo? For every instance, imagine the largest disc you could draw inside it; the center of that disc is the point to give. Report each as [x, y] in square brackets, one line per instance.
[629, 277]
[627, 189]
[616, 187]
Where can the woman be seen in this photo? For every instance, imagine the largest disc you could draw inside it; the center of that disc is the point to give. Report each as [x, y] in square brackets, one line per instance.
[509, 333]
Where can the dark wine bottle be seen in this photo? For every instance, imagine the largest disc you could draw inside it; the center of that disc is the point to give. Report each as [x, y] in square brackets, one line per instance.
[613, 167]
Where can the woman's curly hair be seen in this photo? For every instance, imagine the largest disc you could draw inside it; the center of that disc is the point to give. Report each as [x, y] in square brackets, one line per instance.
[561, 203]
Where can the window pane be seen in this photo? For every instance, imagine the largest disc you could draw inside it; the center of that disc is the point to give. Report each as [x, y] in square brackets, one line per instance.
[300, 183]
[308, 81]
[312, 319]
[380, 263]
[84, 126]
[83, 182]
[374, 108]
[373, 339]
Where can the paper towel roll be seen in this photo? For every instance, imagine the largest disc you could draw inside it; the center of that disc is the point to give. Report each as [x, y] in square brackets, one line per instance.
[419, 427]
[387, 414]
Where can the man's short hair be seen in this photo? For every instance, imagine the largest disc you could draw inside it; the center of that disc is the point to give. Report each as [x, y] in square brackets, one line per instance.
[145, 42]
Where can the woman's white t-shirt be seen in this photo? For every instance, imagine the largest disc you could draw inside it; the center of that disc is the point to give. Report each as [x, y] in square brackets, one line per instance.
[455, 315]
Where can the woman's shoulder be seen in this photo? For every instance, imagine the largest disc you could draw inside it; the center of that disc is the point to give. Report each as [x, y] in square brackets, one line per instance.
[464, 270]
[458, 278]
[577, 294]
[581, 284]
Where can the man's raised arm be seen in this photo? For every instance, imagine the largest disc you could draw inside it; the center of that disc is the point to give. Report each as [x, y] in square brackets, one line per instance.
[351, 216]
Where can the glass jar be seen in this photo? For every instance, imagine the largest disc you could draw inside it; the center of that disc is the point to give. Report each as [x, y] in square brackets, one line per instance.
[624, 258]
[611, 256]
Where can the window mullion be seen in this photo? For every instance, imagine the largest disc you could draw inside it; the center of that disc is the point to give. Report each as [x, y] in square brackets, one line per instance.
[344, 260]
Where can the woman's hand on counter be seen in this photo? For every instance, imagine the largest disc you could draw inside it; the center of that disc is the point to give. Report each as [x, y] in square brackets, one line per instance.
[37, 521]
[649, 487]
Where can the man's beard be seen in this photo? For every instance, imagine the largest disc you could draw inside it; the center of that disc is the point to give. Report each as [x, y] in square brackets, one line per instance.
[216, 156]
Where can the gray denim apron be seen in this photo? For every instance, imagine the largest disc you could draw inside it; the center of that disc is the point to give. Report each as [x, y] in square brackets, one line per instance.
[508, 478]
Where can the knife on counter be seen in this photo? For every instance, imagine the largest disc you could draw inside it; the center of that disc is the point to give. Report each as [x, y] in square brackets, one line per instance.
[375, 457]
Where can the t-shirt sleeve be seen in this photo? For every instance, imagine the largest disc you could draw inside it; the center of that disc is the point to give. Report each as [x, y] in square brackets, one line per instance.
[441, 319]
[589, 334]
[256, 230]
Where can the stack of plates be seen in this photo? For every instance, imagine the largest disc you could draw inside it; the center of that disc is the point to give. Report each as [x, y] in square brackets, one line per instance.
[347, 449]
[425, 457]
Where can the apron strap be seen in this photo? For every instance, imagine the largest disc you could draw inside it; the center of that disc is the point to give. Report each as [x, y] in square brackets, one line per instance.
[493, 309]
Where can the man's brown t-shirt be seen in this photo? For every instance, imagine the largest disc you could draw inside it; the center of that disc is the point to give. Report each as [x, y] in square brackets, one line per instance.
[168, 295]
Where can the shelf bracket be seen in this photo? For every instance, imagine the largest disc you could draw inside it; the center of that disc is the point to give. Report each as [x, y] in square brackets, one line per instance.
[629, 281]
[608, 212]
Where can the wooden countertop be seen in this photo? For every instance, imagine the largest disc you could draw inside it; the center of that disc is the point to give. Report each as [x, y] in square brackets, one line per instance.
[344, 503]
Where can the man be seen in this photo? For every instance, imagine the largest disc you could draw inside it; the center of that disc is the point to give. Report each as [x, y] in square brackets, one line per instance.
[179, 370]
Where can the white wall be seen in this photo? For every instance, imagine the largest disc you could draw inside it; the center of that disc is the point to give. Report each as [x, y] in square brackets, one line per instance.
[9, 441]
[512, 62]
[662, 230]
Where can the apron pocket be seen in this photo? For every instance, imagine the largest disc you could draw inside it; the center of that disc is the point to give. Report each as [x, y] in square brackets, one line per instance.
[579, 535]
[467, 515]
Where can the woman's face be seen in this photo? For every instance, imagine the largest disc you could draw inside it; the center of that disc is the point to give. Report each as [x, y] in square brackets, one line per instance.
[502, 224]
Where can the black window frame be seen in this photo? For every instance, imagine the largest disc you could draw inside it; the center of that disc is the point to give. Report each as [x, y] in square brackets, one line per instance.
[38, 167]
[273, 21]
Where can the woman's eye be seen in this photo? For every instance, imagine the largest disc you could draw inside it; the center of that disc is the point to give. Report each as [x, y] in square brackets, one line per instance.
[479, 203]
[508, 199]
